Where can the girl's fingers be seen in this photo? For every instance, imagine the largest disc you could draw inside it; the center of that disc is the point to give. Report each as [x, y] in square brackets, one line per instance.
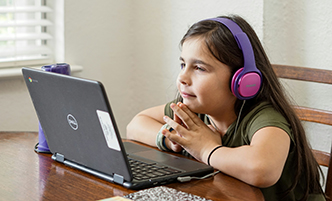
[212, 128]
[176, 126]
[177, 119]
[185, 118]
[191, 115]
[174, 138]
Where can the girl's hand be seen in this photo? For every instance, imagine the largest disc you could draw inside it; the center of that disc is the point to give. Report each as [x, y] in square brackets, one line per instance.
[173, 145]
[191, 133]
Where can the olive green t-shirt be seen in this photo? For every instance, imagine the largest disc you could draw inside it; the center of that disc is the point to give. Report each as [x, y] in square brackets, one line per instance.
[263, 115]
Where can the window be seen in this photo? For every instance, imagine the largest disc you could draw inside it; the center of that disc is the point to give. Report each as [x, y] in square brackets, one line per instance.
[26, 36]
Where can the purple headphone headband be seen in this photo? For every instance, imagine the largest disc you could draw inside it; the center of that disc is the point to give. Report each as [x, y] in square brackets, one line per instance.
[246, 82]
[243, 43]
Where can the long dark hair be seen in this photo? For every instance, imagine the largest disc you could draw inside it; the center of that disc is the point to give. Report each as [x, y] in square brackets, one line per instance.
[224, 48]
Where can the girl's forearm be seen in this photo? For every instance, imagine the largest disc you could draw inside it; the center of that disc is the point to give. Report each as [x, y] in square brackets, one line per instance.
[144, 129]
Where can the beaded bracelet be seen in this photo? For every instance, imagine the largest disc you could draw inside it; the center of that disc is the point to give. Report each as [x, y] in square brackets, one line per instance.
[160, 140]
[208, 160]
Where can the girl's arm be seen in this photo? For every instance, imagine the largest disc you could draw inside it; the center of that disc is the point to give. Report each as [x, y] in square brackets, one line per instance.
[146, 124]
[259, 164]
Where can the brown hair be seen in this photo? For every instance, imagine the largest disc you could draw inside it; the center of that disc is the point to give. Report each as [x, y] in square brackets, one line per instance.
[222, 46]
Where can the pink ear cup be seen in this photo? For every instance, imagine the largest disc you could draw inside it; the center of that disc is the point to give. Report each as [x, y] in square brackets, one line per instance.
[248, 85]
[234, 78]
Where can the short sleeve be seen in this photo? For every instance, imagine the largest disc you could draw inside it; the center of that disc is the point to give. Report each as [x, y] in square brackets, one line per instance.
[265, 118]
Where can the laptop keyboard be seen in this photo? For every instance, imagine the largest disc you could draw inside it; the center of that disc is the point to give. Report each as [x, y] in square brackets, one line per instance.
[143, 171]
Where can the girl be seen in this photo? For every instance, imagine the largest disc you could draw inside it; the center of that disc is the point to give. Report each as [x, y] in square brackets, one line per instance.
[242, 125]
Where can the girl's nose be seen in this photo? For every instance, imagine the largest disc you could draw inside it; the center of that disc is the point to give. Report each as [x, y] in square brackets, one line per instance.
[184, 77]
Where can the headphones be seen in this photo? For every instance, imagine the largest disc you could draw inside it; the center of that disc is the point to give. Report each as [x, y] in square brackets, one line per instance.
[246, 81]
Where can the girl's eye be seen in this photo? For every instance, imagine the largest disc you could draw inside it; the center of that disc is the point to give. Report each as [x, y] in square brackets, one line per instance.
[182, 65]
[199, 68]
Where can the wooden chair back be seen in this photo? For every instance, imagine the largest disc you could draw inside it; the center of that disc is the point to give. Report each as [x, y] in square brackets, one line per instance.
[312, 114]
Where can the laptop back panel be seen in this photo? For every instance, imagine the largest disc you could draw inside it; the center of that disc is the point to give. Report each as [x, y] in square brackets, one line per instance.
[83, 119]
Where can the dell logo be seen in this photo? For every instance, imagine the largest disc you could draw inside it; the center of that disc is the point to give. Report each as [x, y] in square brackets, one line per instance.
[72, 122]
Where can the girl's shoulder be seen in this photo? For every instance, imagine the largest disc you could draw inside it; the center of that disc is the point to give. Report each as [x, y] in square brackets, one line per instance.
[265, 115]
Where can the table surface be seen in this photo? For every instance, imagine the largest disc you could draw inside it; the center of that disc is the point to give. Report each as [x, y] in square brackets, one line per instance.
[26, 175]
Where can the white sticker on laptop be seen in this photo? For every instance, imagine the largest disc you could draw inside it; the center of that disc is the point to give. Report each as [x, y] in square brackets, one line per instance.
[108, 130]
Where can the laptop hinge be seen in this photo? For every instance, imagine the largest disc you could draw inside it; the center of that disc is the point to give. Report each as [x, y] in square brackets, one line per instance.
[118, 179]
[59, 157]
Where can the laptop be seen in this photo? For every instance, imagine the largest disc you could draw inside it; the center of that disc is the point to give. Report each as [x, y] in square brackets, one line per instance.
[81, 132]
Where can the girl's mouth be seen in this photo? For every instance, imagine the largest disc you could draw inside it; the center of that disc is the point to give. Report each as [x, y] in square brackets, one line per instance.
[187, 95]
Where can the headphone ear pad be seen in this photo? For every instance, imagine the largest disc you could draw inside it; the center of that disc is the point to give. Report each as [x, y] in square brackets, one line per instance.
[233, 85]
[247, 85]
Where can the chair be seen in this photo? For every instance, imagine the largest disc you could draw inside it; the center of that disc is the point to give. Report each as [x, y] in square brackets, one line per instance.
[312, 114]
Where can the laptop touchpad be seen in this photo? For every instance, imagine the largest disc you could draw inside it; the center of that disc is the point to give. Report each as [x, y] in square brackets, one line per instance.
[157, 156]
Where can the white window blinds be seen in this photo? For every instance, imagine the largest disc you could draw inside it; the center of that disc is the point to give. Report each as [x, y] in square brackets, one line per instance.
[25, 33]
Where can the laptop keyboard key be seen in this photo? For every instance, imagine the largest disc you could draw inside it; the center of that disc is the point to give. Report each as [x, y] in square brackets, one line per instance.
[144, 171]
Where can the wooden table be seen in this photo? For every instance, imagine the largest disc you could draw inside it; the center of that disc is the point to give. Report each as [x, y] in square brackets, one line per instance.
[26, 175]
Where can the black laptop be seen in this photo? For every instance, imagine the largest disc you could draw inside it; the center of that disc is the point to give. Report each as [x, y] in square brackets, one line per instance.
[81, 132]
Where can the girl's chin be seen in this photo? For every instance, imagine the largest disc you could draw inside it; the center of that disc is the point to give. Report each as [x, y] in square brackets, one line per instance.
[191, 107]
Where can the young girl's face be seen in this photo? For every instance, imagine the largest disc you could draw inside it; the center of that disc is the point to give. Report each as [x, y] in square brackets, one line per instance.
[204, 81]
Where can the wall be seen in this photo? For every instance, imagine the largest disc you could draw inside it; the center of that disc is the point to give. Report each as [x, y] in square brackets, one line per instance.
[98, 37]
[16, 109]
